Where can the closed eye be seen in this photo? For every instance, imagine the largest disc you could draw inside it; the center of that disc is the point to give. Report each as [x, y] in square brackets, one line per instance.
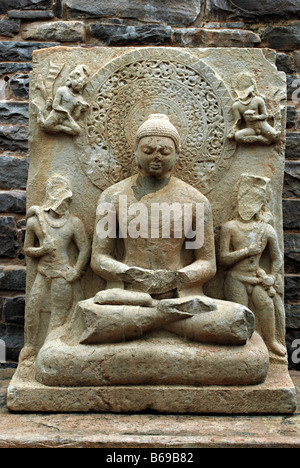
[147, 149]
[166, 151]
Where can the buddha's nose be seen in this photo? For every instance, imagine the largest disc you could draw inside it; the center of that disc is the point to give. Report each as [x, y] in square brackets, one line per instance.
[157, 155]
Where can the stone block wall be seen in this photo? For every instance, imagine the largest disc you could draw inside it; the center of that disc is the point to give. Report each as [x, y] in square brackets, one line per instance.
[26, 25]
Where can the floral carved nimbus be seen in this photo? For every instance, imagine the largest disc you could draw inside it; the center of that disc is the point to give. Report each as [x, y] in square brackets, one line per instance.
[128, 89]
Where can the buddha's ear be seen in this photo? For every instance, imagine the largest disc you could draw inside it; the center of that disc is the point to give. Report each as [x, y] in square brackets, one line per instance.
[136, 157]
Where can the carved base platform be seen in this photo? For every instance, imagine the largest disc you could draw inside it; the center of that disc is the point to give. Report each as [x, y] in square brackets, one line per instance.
[277, 395]
[159, 358]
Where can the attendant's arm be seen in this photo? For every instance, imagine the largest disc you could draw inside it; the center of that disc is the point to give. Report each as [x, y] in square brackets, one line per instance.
[226, 256]
[34, 234]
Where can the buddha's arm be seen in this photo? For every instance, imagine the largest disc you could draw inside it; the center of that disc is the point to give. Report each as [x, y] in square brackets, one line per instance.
[204, 266]
[118, 273]
[104, 242]
[103, 263]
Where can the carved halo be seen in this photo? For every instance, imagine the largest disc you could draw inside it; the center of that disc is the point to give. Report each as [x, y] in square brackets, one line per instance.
[123, 93]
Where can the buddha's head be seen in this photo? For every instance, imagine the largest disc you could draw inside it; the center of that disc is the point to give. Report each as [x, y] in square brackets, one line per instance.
[157, 146]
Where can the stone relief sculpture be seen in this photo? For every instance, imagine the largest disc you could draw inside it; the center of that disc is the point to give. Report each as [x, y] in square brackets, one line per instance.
[61, 113]
[155, 267]
[50, 231]
[251, 115]
[153, 297]
[118, 317]
[243, 242]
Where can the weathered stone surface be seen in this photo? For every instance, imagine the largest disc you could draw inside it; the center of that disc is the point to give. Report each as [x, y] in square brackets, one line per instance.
[9, 27]
[292, 288]
[196, 37]
[23, 233]
[219, 9]
[58, 8]
[292, 146]
[276, 399]
[175, 12]
[13, 67]
[292, 316]
[292, 117]
[226, 25]
[14, 137]
[150, 431]
[13, 201]
[21, 51]
[291, 88]
[8, 237]
[297, 61]
[12, 278]
[13, 112]
[291, 187]
[13, 171]
[285, 62]
[26, 4]
[252, 9]
[292, 253]
[118, 373]
[30, 14]
[132, 94]
[14, 309]
[63, 31]
[19, 85]
[282, 37]
[291, 214]
[13, 337]
[123, 35]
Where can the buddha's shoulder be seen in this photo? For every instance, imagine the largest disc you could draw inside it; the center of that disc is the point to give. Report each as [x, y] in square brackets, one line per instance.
[120, 188]
[188, 189]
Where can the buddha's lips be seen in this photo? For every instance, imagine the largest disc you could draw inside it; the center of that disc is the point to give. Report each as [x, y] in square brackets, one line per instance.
[156, 166]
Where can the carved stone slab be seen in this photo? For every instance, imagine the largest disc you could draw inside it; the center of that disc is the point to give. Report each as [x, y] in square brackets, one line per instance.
[86, 106]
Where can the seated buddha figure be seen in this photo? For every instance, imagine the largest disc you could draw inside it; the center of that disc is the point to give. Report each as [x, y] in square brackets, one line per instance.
[154, 246]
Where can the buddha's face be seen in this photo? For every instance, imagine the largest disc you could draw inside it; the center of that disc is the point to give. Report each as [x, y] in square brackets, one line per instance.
[156, 156]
